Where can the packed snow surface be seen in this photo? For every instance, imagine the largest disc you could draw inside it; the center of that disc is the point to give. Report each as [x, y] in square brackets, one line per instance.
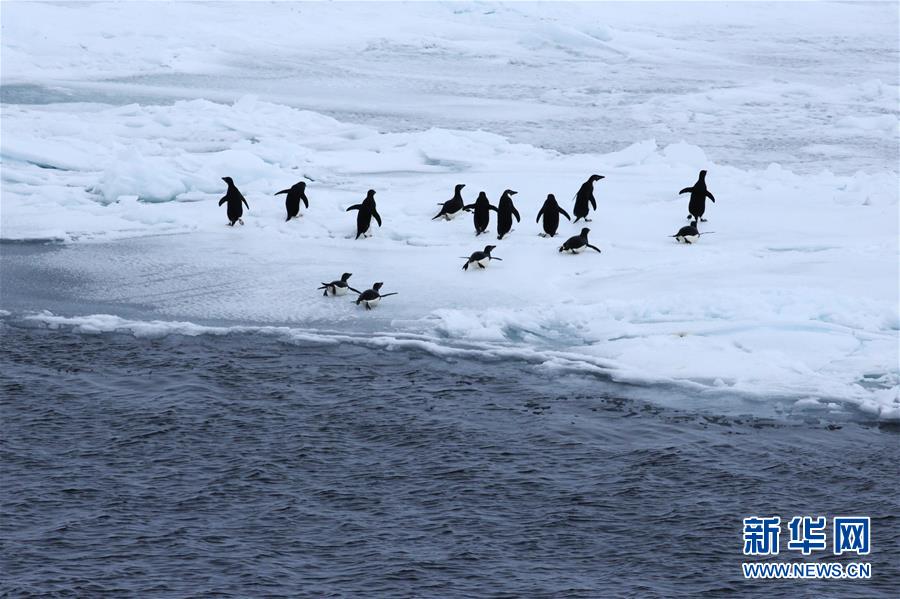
[793, 295]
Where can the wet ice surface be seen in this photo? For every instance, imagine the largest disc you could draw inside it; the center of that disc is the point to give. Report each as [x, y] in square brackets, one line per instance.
[242, 465]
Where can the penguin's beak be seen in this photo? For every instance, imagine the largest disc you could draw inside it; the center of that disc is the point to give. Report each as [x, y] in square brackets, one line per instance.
[511, 192]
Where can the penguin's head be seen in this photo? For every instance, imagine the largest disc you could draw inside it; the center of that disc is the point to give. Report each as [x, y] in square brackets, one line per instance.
[228, 180]
[702, 174]
[482, 195]
[377, 286]
[510, 192]
[694, 223]
[489, 248]
[459, 186]
[301, 185]
[597, 177]
[551, 197]
[370, 193]
[346, 276]
[585, 231]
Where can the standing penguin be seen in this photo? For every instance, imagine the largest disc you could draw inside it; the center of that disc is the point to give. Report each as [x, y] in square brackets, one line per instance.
[584, 197]
[505, 213]
[338, 287]
[371, 297]
[689, 234]
[367, 210]
[699, 193]
[577, 243]
[452, 207]
[551, 211]
[481, 258]
[482, 217]
[234, 198]
[292, 202]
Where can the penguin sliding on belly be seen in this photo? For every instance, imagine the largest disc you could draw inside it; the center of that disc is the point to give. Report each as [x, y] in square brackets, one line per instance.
[699, 193]
[506, 210]
[367, 211]
[482, 216]
[584, 197]
[339, 287]
[295, 195]
[371, 297]
[482, 259]
[452, 207]
[689, 234]
[551, 211]
[234, 198]
[578, 243]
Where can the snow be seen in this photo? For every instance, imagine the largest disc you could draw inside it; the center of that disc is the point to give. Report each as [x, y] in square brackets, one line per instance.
[794, 296]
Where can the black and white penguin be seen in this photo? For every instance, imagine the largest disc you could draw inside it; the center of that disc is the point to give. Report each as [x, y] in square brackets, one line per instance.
[452, 207]
[482, 259]
[584, 197]
[482, 216]
[371, 297]
[551, 211]
[339, 287]
[234, 198]
[578, 243]
[295, 195]
[366, 212]
[689, 234]
[699, 193]
[505, 213]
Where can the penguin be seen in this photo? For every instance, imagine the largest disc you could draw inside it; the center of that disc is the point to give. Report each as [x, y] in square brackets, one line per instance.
[689, 234]
[452, 207]
[371, 297]
[338, 287]
[364, 217]
[551, 211]
[577, 243]
[482, 208]
[292, 202]
[505, 213]
[699, 193]
[234, 198]
[584, 197]
[481, 258]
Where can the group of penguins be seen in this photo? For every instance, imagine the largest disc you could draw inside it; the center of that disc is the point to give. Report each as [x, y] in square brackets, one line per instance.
[481, 209]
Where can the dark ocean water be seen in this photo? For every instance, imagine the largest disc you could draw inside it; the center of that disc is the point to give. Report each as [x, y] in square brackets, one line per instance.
[245, 466]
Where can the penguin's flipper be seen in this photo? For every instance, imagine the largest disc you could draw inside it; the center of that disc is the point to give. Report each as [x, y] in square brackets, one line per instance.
[540, 212]
[305, 200]
[469, 207]
[493, 258]
[564, 213]
[278, 193]
[377, 216]
[438, 215]
[593, 202]
[710, 196]
[245, 203]
[387, 294]
[354, 207]
[593, 247]
[516, 214]
[466, 265]
[223, 200]
[686, 190]
[353, 290]
[494, 208]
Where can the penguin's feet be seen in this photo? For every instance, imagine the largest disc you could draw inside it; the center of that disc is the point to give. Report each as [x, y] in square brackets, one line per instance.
[542, 235]
[240, 220]
[702, 220]
[690, 217]
[587, 220]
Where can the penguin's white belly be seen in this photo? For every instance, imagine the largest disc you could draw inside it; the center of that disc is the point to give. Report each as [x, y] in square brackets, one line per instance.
[577, 250]
[372, 302]
[339, 290]
[484, 262]
[687, 238]
[451, 215]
